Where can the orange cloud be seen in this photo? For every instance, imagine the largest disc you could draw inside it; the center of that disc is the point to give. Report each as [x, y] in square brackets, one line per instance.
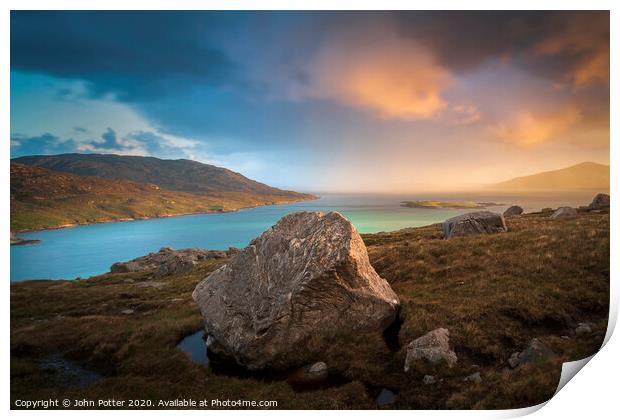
[527, 129]
[586, 39]
[382, 73]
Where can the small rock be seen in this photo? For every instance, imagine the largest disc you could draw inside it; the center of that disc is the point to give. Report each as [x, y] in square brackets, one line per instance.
[564, 212]
[564, 337]
[429, 380]
[513, 211]
[474, 377]
[513, 361]
[319, 369]
[433, 347]
[583, 328]
[600, 200]
[535, 352]
[304, 376]
[127, 311]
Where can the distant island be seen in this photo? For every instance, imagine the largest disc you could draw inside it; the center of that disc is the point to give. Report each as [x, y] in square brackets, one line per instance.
[429, 204]
[71, 189]
[583, 176]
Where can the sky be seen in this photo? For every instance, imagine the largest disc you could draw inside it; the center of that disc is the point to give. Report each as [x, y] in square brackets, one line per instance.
[319, 101]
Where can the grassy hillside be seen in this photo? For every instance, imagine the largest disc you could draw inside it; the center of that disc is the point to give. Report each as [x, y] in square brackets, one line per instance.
[175, 175]
[41, 198]
[494, 293]
[586, 176]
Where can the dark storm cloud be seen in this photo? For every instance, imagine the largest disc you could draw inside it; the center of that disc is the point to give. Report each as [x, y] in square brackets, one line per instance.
[133, 54]
[146, 55]
[549, 44]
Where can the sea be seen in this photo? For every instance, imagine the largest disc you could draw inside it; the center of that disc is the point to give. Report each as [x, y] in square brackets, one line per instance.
[88, 250]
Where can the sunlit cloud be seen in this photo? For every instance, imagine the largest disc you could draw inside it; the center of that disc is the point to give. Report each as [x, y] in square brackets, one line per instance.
[401, 100]
[528, 128]
[380, 72]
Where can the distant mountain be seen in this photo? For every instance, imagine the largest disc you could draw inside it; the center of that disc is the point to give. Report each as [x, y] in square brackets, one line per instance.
[583, 176]
[176, 175]
[43, 198]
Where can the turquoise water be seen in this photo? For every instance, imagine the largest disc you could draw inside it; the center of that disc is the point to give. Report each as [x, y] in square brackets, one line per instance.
[88, 250]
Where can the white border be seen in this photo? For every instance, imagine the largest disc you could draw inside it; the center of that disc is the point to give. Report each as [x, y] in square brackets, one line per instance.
[592, 394]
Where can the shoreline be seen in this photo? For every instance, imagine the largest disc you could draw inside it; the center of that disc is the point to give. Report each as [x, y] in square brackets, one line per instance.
[131, 219]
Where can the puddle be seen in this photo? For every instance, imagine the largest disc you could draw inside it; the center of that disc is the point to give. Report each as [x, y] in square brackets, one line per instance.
[68, 374]
[386, 397]
[195, 347]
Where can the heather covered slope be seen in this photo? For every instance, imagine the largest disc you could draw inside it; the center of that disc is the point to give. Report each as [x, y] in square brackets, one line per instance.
[175, 175]
[493, 292]
[43, 198]
[583, 176]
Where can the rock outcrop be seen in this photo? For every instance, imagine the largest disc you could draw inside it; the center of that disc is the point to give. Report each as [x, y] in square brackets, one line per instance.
[535, 352]
[564, 212]
[473, 224]
[168, 261]
[600, 200]
[15, 240]
[513, 211]
[282, 300]
[433, 347]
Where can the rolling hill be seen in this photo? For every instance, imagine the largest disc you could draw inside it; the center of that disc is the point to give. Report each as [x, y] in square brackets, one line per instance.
[583, 176]
[176, 175]
[42, 198]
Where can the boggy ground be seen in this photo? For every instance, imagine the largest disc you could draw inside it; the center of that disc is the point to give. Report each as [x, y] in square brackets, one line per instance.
[494, 293]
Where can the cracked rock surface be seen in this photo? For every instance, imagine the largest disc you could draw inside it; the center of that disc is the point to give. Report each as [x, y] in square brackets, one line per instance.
[302, 282]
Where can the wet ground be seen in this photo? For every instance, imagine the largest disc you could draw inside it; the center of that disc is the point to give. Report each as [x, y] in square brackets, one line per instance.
[300, 379]
[68, 374]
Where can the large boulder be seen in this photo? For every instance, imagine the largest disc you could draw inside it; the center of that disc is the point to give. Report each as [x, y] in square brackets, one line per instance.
[473, 224]
[281, 300]
[168, 261]
[600, 200]
[432, 348]
[564, 212]
[513, 211]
